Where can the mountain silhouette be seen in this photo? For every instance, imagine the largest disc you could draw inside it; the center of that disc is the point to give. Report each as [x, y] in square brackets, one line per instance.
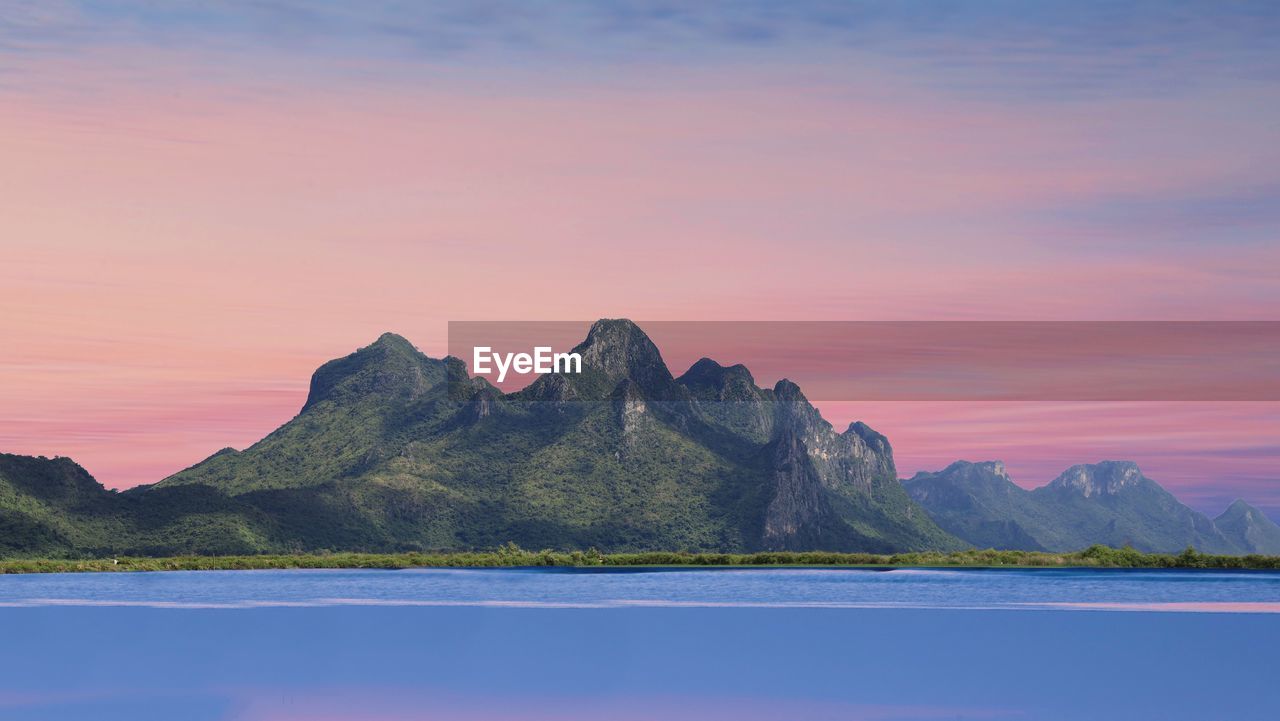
[394, 450]
[1110, 503]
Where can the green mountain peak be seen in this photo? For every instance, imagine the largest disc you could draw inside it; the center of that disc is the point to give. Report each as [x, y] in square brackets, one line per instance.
[1249, 528]
[390, 366]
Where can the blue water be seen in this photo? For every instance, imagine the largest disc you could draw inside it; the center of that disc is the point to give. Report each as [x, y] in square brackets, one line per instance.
[747, 645]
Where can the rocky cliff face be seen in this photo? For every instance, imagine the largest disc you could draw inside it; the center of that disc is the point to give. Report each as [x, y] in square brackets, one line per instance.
[613, 351]
[837, 484]
[798, 506]
[1107, 478]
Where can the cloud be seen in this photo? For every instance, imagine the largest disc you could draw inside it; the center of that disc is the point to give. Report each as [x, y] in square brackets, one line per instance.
[1248, 213]
[1045, 50]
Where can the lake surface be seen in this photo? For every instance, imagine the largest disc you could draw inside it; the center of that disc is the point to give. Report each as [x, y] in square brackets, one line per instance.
[741, 645]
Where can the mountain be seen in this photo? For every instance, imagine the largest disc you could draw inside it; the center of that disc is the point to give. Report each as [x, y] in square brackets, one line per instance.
[1113, 503]
[1110, 503]
[394, 450]
[46, 504]
[1249, 529]
[979, 503]
[53, 507]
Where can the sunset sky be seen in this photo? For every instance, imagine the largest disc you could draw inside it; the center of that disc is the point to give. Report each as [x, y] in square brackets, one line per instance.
[201, 203]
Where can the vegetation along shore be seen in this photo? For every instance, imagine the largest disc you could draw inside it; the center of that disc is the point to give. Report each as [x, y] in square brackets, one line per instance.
[512, 556]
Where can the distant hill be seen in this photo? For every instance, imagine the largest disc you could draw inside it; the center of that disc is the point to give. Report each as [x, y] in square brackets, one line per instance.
[49, 505]
[53, 507]
[394, 450]
[1110, 503]
[981, 505]
[1249, 529]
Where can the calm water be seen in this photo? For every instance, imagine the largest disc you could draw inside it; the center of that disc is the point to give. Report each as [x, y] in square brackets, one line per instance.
[746, 645]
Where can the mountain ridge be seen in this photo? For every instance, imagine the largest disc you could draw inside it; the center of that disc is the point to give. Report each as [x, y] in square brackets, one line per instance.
[1109, 502]
[394, 450]
[1249, 528]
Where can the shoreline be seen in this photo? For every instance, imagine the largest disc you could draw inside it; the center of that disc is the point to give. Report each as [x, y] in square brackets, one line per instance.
[512, 557]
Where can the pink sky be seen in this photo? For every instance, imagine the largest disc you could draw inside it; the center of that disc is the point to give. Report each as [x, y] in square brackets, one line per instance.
[187, 235]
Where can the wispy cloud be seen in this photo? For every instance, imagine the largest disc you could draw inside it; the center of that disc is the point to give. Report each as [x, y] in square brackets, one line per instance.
[1049, 50]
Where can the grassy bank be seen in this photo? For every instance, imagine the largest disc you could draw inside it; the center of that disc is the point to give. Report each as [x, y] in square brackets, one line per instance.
[511, 556]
